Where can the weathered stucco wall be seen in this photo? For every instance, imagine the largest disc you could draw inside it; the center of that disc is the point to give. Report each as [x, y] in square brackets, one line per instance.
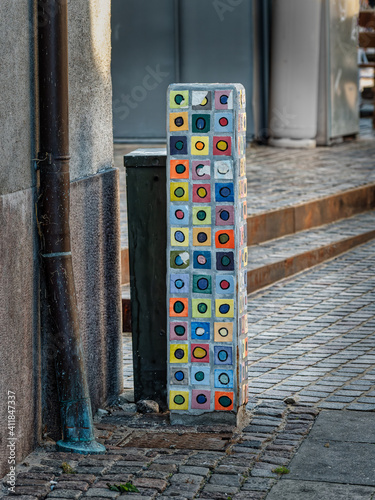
[24, 363]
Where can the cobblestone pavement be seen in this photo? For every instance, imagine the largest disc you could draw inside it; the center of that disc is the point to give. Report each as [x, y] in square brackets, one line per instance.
[234, 465]
[283, 177]
[314, 335]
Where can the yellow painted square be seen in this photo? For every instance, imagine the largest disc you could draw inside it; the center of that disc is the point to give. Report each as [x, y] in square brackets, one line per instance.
[173, 395]
[200, 145]
[244, 257]
[177, 233]
[201, 308]
[179, 191]
[177, 347]
[223, 332]
[197, 215]
[222, 302]
[242, 167]
[197, 231]
[173, 127]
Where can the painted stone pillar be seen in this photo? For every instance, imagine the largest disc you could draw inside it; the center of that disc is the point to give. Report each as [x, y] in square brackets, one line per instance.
[206, 253]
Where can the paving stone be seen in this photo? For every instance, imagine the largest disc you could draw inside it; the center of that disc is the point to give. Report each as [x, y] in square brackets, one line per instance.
[145, 482]
[26, 497]
[225, 479]
[199, 471]
[182, 490]
[90, 470]
[101, 492]
[220, 489]
[36, 475]
[36, 491]
[72, 485]
[88, 478]
[332, 406]
[232, 469]
[32, 482]
[186, 479]
[312, 490]
[250, 495]
[71, 494]
[361, 407]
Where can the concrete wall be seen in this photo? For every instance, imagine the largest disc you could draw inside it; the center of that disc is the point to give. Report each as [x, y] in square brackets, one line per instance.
[25, 366]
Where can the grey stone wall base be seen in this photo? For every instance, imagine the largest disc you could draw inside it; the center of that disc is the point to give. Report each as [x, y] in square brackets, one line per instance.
[95, 227]
[210, 418]
[19, 324]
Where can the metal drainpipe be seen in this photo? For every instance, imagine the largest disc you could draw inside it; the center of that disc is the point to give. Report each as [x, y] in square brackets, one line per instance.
[53, 220]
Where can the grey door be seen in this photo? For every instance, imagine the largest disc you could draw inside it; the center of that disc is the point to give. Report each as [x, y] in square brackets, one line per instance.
[157, 42]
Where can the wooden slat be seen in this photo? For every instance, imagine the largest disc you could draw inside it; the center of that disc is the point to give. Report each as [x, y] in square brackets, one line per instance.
[367, 40]
[366, 19]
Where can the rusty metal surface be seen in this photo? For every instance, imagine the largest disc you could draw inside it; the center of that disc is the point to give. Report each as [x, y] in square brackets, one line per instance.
[183, 441]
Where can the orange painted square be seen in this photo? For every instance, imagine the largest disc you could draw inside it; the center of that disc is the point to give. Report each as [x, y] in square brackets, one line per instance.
[182, 115]
[174, 174]
[174, 303]
[218, 395]
[230, 243]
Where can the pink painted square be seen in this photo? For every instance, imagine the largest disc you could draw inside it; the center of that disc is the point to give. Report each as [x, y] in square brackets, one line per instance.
[223, 146]
[224, 215]
[223, 99]
[201, 193]
[201, 170]
[178, 330]
[201, 399]
[200, 353]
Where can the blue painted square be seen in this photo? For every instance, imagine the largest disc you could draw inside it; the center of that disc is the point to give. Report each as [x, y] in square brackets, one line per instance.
[179, 283]
[200, 330]
[179, 215]
[224, 191]
[200, 375]
[223, 122]
[225, 261]
[224, 284]
[178, 145]
[224, 379]
[202, 260]
[223, 355]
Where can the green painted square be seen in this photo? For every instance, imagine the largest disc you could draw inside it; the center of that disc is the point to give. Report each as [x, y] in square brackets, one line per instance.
[179, 99]
[201, 308]
[202, 284]
[201, 123]
[202, 215]
[179, 259]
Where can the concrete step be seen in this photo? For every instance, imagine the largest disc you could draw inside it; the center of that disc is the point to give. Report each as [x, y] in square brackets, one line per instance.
[274, 260]
[287, 220]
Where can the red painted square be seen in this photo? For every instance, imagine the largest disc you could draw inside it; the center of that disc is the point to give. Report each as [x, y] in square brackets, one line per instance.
[201, 193]
[222, 146]
[200, 353]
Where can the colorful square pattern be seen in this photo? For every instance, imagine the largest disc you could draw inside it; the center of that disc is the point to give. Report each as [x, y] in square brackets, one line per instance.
[206, 253]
